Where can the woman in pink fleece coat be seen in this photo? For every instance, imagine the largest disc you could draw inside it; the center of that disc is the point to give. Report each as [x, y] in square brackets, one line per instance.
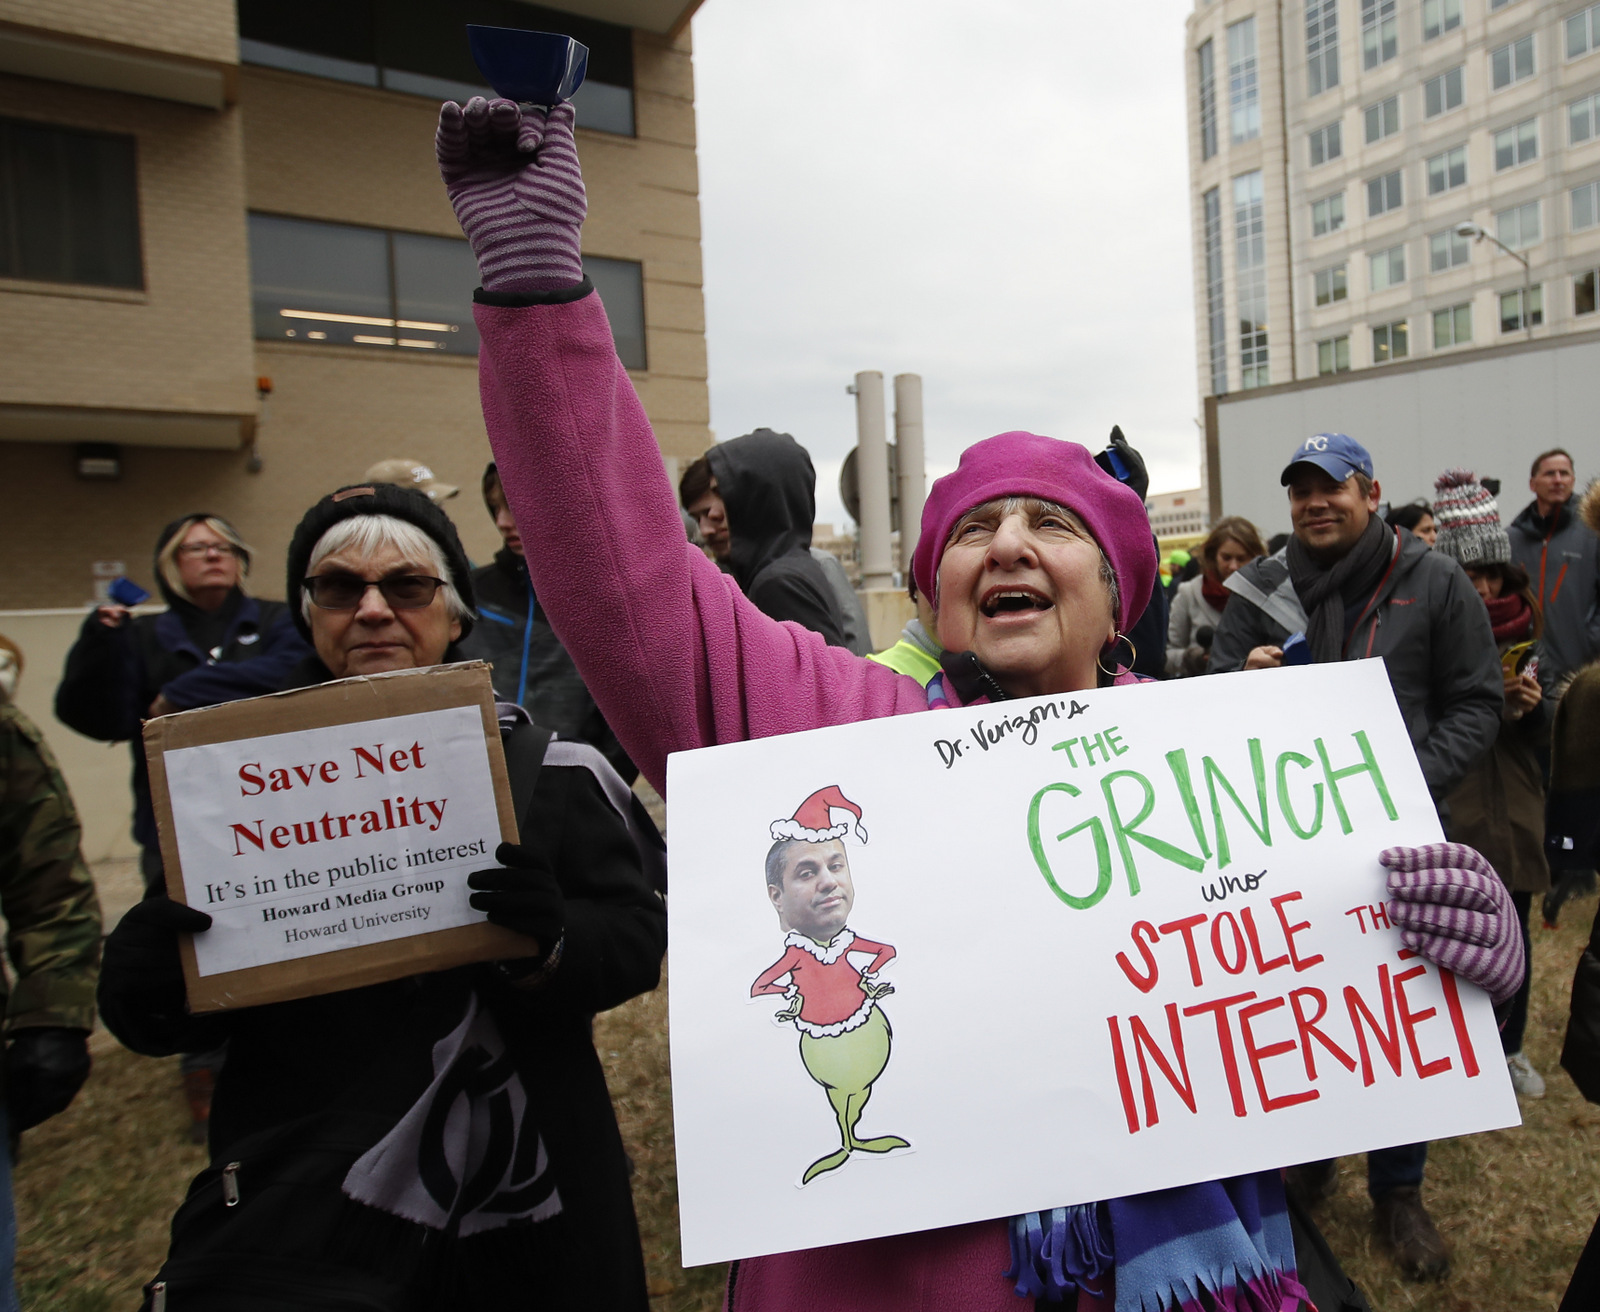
[1035, 561]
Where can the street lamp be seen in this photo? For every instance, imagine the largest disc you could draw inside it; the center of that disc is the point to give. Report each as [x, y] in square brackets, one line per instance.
[1476, 232]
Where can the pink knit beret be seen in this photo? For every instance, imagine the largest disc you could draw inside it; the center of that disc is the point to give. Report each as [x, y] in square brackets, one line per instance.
[1027, 465]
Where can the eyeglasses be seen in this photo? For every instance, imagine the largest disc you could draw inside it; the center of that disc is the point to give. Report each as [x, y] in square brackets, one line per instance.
[194, 550]
[345, 591]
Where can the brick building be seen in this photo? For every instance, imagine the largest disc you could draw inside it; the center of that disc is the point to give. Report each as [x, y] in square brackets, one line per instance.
[230, 279]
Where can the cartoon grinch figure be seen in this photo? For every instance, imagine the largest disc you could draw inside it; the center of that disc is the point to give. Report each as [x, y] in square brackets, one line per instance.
[844, 1035]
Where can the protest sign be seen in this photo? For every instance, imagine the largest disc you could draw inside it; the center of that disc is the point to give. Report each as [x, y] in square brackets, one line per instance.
[941, 968]
[329, 831]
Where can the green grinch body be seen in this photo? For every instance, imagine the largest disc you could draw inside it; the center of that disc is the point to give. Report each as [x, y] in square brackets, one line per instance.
[846, 1066]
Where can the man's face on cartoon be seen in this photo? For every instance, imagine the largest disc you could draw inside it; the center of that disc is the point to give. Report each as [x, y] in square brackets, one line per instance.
[816, 894]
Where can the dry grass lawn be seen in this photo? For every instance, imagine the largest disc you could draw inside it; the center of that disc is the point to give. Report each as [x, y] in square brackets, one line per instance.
[96, 1186]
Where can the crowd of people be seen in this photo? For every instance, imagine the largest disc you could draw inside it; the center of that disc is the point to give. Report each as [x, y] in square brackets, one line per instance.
[446, 1141]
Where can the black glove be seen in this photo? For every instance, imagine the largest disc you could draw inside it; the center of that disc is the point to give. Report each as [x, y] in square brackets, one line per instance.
[1133, 472]
[522, 894]
[141, 956]
[45, 1068]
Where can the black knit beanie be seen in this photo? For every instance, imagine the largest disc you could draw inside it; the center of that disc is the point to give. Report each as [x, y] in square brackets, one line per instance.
[404, 503]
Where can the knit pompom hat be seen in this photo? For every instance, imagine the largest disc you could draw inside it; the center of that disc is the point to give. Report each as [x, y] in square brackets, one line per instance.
[1027, 465]
[1468, 518]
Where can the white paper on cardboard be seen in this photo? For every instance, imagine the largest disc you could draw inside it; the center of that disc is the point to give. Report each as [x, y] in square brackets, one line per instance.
[302, 843]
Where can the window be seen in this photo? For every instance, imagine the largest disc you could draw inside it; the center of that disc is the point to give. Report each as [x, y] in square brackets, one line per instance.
[1439, 17]
[1517, 145]
[1250, 262]
[1327, 215]
[1383, 194]
[1498, 4]
[1583, 32]
[1208, 101]
[1448, 250]
[1322, 45]
[1333, 356]
[1583, 120]
[1443, 93]
[1383, 119]
[1244, 102]
[1583, 291]
[1386, 268]
[1331, 285]
[1518, 226]
[1447, 170]
[416, 47]
[339, 285]
[1379, 32]
[69, 206]
[1326, 143]
[1585, 206]
[620, 285]
[1452, 327]
[1216, 313]
[1511, 63]
[1523, 308]
[1390, 341]
[332, 283]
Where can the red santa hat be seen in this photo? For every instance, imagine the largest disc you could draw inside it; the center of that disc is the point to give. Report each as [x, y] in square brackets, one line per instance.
[813, 822]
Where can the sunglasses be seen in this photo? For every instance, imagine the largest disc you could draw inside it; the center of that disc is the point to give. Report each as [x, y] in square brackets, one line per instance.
[345, 591]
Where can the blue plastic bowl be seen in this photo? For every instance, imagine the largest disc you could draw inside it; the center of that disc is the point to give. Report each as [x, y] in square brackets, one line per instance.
[536, 68]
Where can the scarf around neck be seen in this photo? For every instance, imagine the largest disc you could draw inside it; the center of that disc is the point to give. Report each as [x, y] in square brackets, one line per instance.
[1215, 593]
[1224, 1243]
[1511, 617]
[1325, 591]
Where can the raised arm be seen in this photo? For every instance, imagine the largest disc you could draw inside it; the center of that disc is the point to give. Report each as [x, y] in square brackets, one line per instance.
[675, 655]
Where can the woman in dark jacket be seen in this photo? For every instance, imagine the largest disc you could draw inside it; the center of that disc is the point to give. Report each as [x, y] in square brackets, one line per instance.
[212, 644]
[1499, 807]
[443, 1142]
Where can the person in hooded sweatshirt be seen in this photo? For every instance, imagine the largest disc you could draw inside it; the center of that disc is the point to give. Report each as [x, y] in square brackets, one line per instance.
[754, 500]
[212, 644]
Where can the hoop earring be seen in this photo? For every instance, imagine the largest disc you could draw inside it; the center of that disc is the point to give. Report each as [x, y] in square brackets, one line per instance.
[1112, 646]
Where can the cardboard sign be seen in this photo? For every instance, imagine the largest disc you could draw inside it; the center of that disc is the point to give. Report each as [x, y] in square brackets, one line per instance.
[329, 831]
[940, 968]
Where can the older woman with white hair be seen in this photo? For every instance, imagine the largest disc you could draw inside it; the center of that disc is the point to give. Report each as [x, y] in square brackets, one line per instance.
[1036, 563]
[445, 1141]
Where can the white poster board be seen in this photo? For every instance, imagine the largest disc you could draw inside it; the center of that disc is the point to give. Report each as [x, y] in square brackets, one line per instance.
[1132, 938]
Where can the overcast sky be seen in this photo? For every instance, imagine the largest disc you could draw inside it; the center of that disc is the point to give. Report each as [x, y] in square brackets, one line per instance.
[992, 196]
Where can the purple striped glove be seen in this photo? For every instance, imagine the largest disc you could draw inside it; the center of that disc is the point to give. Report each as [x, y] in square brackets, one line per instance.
[513, 178]
[1451, 907]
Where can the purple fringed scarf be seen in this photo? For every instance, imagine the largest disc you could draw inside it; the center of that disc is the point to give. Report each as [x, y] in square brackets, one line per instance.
[1228, 1238]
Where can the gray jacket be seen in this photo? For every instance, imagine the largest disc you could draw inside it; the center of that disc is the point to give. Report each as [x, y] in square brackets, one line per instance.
[1430, 628]
[857, 633]
[1190, 611]
[1561, 560]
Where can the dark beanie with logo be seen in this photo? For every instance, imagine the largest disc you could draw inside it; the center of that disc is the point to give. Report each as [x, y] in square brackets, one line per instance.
[402, 503]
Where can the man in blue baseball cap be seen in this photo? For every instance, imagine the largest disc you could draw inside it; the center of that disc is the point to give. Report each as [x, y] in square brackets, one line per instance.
[1348, 587]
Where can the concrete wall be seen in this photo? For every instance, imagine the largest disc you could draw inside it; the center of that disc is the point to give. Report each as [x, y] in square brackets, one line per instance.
[324, 150]
[1489, 411]
[183, 342]
[200, 29]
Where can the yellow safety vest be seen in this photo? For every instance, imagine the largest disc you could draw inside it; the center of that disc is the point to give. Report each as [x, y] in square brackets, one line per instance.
[908, 658]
